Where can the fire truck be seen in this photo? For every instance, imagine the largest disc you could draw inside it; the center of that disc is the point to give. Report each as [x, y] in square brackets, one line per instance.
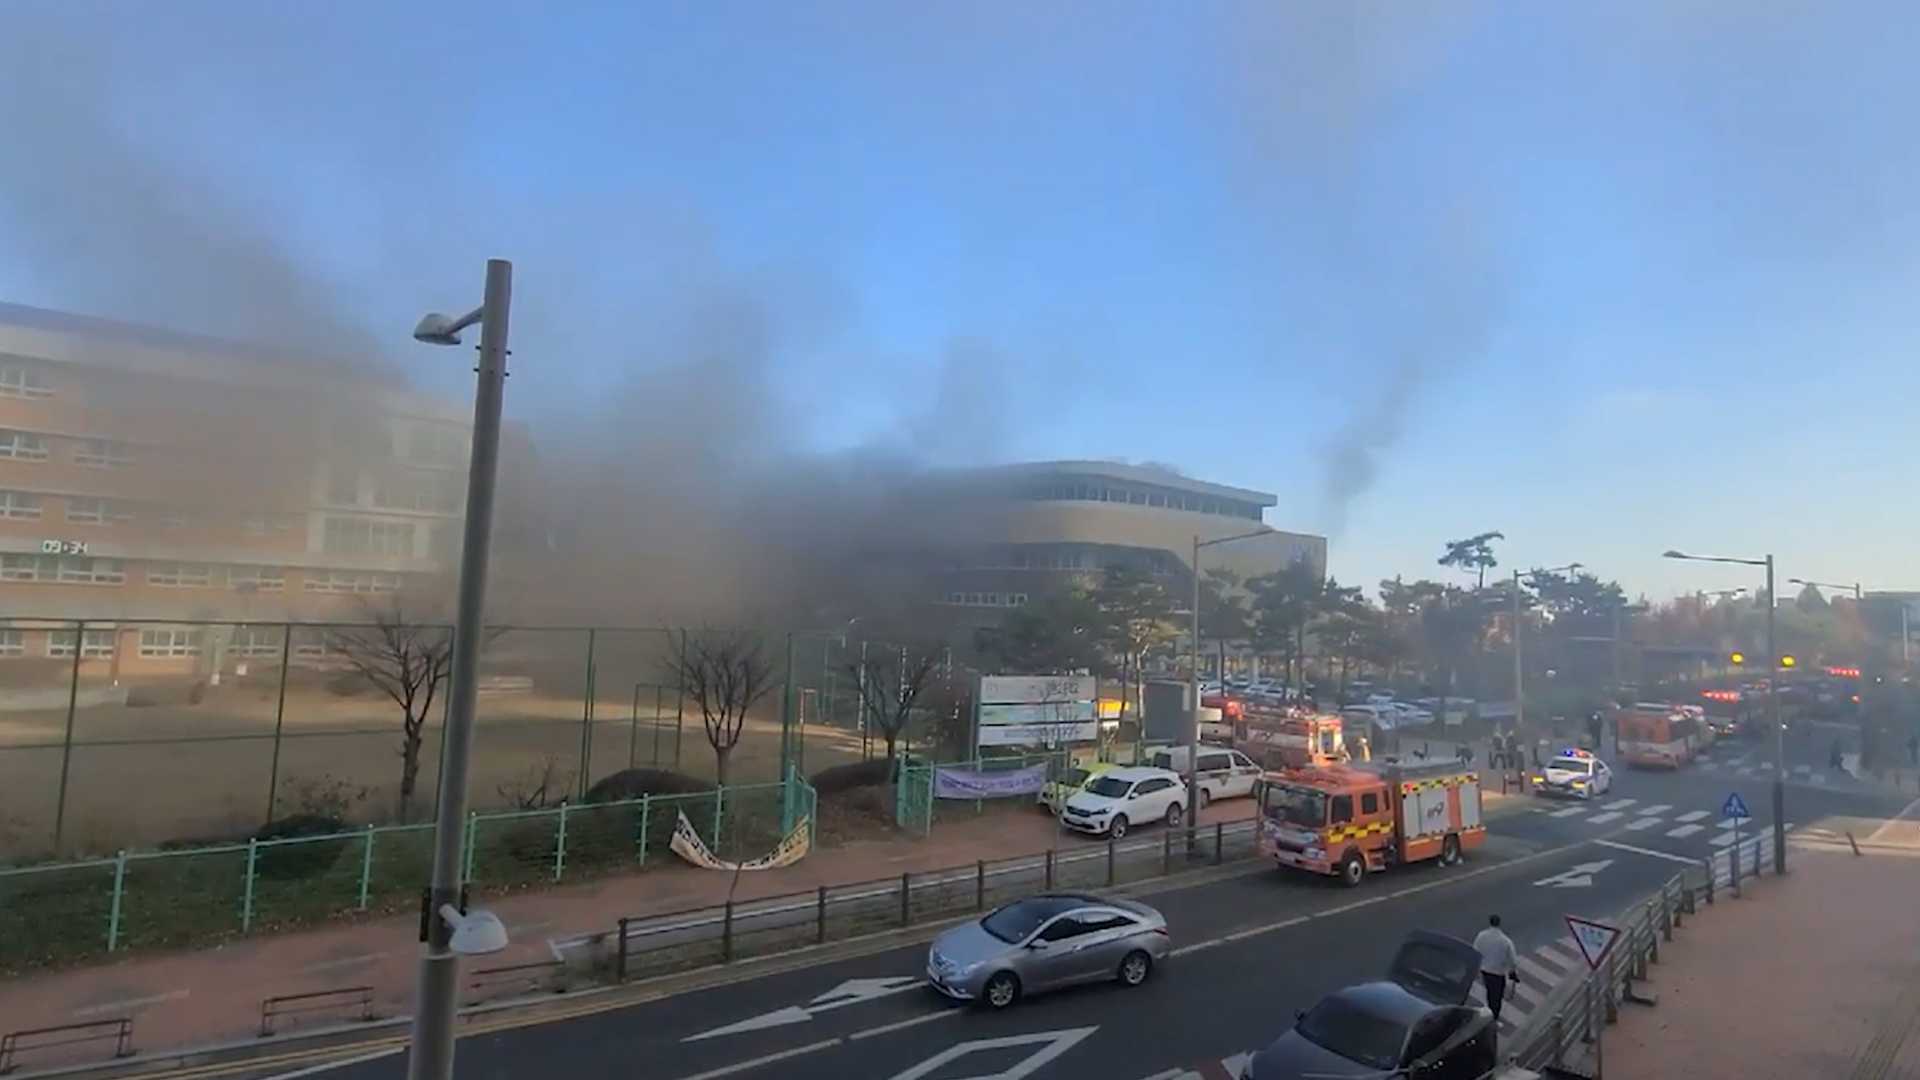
[1289, 737]
[1657, 736]
[1346, 821]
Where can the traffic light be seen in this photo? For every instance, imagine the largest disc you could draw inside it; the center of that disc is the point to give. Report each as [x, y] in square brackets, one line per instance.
[1786, 661]
[1738, 658]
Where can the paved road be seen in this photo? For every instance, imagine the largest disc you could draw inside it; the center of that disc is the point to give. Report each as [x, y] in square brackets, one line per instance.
[870, 1017]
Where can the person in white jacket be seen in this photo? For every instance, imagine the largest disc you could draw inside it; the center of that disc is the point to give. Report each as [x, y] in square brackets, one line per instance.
[1499, 965]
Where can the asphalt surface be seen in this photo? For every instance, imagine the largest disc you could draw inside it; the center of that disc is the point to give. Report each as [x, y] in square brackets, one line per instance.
[1203, 1004]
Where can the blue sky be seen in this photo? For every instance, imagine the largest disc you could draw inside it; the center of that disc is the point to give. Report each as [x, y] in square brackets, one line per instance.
[1611, 278]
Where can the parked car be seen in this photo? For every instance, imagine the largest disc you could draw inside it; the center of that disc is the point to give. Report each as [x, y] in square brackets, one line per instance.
[1119, 799]
[1415, 1023]
[1044, 943]
[1055, 793]
[1223, 773]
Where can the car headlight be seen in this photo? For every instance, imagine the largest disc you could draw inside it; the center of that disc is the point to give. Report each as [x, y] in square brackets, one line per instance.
[1580, 782]
[1538, 779]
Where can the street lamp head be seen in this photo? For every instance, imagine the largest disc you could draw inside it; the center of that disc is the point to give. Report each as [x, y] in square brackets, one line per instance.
[1672, 554]
[474, 933]
[437, 329]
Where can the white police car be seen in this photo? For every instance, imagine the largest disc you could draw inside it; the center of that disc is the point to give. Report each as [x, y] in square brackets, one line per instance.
[1573, 774]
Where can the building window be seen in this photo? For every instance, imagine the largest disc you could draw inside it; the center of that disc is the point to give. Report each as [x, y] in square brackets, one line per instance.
[343, 487]
[21, 379]
[102, 453]
[357, 536]
[179, 575]
[437, 446]
[169, 644]
[429, 492]
[13, 644]
[68, 569]
[348, 581]
[90, 511]
[255, 641]
[94, 644]
[22, 445]
[266, 524]
[177, 517]
[19, 506]
[257, 578]
[1016, 599]
[311, 649]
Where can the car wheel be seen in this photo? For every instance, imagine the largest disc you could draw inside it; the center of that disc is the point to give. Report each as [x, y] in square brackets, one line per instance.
[1450, 851]
[1117, 828]
[1135, 967]
[1352, 870]
[1173, 816]
[1204, 798]
[1002, 990]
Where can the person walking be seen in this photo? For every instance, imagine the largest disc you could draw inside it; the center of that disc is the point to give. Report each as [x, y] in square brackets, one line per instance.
[1499, 965]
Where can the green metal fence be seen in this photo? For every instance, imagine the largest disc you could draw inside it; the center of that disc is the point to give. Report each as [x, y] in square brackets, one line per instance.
[915, 807]
[65, 912]
[131, 734]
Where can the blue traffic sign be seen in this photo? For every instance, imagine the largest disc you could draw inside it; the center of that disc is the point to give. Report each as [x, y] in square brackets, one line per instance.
[1735, 808]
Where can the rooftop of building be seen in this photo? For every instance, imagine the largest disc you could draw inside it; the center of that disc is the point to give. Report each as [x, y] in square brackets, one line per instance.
[1125, 472]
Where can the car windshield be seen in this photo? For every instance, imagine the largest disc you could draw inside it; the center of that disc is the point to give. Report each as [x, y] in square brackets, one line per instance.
[1016, 922]
[1353, 1033]
[1583, 766]
[1074, 777]
[1111, 787]
[1295, 806]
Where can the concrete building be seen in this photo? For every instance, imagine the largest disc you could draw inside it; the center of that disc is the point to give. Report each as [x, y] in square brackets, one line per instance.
[150, 475]
[1032, 527]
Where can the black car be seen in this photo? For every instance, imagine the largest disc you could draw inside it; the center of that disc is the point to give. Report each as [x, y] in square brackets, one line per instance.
[1415, 1023]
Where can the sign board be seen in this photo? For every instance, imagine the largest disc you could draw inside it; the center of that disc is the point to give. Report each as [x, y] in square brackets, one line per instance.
[1593, 938]
[1735, 808]
[1036, 689]
[1065, 712]
[1038, 734]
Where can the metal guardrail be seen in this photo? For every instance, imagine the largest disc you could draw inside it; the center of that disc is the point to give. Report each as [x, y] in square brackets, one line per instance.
[738, 930]
[1568, 1024]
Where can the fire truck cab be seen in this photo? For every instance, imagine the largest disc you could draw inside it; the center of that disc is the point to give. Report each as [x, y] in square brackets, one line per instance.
[1347, 821]
[1286, 737]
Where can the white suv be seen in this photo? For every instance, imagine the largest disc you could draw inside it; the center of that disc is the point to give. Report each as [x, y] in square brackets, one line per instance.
[1118, 799]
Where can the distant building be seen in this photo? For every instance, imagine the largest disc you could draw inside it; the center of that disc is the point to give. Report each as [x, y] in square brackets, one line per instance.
[1013, 532]
[150, 475]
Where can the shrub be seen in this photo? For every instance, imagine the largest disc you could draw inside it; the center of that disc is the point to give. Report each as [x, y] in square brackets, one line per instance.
[300, 861]
[857, 774]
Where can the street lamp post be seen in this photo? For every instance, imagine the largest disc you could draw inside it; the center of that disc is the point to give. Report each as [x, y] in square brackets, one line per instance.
[1519, 658]
[1773, 701]
[1193, 674]
[431, 1053]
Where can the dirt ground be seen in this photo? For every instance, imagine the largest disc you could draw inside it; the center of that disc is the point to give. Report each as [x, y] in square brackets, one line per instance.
[142, 774]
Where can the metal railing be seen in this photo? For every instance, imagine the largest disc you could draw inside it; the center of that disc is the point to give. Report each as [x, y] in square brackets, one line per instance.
[725, 933]
[67, 912]
[1569, 1023]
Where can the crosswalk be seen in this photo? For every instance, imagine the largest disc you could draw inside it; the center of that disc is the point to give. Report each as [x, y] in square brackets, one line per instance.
[1541, 970]
[1804, 774]
[1630, 815]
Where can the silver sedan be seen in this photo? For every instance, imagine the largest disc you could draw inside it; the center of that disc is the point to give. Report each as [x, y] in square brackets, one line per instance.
[1046, 943]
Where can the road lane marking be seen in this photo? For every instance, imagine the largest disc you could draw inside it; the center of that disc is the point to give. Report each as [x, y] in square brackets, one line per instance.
[1568, 812]
[1602, 819]
[1619, 804]
[1657, 808]
[902, 1025]
[1693, 815]
[329, 1066]
[1643, 824]
[1649, 852]
[1888, 824]
[765, 1059]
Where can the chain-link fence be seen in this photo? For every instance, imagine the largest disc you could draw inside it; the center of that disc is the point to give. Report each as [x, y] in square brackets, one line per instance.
[125, 735]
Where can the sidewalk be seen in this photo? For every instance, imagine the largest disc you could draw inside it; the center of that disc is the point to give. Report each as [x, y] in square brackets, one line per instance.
[213, 995]
[1813, 975]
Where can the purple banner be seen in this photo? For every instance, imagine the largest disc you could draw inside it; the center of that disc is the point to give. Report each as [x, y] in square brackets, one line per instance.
[969, 784]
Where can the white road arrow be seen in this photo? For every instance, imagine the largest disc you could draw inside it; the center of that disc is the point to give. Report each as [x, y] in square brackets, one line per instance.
[1576, 877]
[851, 992]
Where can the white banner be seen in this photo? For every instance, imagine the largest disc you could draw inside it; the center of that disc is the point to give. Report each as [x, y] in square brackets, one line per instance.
[687, 844]
[1038, 735]
[1036, 689]
[1066, 712]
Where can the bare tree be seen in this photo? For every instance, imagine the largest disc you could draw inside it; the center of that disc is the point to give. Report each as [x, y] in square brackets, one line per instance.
[891, 680]
[725, 674]
[406, 659]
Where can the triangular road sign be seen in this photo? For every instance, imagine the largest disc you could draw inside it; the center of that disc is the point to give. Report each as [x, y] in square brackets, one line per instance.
[1735, 807]
[1594, 939]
